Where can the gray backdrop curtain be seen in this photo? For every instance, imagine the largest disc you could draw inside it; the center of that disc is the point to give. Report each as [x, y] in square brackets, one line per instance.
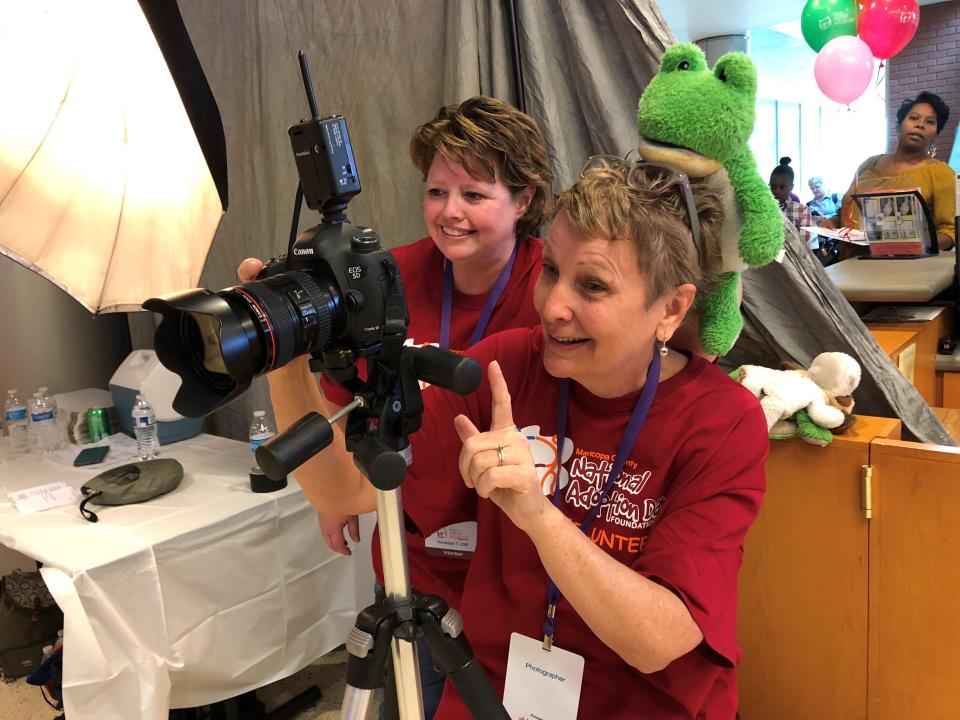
[583, 65]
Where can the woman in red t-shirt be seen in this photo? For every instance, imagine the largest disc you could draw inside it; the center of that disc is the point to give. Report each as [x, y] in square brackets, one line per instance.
[486, 190]
[617, 479]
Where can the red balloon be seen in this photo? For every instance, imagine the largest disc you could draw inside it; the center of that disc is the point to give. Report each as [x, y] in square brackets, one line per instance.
[886, 26]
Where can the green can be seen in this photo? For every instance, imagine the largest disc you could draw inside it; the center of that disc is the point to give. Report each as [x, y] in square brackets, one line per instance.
[98, 424]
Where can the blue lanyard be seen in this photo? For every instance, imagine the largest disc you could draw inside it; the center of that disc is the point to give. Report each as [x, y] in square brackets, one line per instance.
[637, 418]
[495, 292]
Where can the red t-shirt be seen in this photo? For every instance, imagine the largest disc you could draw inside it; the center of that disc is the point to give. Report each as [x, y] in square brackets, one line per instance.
[678, 515]
[421, 269]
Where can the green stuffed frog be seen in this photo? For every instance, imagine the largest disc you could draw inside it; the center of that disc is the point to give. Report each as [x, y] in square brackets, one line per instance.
[698, 122]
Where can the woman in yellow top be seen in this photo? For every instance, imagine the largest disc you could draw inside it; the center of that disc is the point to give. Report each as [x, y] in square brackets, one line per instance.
[912, 165]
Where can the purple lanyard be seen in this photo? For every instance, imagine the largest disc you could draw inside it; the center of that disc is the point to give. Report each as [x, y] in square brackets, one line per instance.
[637, 418]
[495, 292]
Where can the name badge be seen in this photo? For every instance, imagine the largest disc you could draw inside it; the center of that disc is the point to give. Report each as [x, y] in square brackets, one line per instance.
[541, 684]
[457, 541]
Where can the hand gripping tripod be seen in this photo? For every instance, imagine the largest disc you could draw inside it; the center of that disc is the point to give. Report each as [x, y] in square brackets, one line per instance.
[400, 616]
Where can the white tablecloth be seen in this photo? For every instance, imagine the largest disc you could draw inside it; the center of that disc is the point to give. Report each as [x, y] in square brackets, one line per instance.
[192, 597]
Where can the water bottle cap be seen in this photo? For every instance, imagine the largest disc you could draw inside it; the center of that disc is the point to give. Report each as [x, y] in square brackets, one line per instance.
[259, 413]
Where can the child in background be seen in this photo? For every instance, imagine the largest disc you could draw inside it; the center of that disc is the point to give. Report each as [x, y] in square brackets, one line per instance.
[781, 185]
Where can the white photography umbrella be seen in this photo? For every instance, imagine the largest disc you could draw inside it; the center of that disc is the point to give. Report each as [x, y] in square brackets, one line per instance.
[112, 157]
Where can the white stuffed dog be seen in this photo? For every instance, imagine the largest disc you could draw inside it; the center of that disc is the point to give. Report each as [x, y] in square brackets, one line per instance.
[783, 392]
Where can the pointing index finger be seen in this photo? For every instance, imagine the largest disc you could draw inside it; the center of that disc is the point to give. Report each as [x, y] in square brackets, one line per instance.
[501, 416]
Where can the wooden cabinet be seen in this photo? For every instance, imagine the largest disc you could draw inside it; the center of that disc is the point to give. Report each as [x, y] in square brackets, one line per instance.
[950, 390]
[912, 346]
[844, 616]
[914, 582]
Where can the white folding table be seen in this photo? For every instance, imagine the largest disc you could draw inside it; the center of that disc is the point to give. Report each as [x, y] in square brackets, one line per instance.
[192, 597]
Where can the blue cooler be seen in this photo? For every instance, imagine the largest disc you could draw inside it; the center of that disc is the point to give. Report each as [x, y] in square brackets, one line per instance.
[142, 373]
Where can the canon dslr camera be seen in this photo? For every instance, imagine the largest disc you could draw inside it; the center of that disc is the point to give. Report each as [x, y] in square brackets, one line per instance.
[334, 295]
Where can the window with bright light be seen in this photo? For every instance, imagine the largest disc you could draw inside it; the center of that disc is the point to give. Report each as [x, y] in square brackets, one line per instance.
[795, 119]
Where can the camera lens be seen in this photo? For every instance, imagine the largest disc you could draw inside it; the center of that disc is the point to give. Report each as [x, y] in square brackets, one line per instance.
[292, 314]
[218, 342]
[337, 294]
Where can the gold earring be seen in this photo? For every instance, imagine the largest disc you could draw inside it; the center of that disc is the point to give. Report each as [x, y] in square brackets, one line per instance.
[932, 151]
[664, 350]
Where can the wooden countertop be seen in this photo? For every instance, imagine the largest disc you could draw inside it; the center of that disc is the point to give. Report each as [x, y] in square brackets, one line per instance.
[867, 428]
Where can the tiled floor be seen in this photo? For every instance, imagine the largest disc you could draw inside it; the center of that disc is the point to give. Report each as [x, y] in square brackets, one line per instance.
[19, 701]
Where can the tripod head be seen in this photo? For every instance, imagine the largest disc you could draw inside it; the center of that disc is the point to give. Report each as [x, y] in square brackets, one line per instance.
[391, 396]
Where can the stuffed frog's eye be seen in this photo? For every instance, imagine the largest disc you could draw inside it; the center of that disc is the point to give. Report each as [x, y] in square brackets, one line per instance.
[683, 65]
[721, 75]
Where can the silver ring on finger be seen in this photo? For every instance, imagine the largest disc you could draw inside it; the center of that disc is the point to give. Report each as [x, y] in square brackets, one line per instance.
[499, 455]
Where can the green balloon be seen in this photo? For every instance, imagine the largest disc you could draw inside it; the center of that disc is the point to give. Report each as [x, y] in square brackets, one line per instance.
[823, 20]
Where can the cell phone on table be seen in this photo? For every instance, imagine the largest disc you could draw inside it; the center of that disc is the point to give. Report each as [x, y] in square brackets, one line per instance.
[91, 456]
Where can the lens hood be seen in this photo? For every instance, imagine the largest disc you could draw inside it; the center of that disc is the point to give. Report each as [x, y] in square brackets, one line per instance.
[188, 343]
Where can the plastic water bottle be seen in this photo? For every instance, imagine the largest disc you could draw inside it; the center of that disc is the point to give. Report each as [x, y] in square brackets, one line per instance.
[33, 433]
[145, 428]
[48, 398]
[43, 425]
[15, 414]
[260, 430]
[58, 432]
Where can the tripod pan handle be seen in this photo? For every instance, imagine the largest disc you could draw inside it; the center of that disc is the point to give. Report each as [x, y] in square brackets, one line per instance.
[293, 447]
[458, 373]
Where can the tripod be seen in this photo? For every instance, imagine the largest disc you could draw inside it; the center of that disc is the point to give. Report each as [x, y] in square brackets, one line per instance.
[387, 630]
[396, 620]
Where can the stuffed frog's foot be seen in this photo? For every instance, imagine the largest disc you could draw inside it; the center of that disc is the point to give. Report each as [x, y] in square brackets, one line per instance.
[720, 320]
[761, 237]
[810, 431]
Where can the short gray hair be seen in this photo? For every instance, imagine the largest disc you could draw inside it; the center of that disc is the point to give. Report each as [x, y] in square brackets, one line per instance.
[612, 202]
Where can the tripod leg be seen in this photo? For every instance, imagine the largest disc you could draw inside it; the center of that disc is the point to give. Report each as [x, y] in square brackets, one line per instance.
[390, 710]
[402, 698]
[432, 679]
[406, 675]
[356, 703]
[370, 643]
[368, 646]
[452, 652]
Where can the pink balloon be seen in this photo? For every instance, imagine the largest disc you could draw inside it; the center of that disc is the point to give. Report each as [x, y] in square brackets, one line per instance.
[888, 25]
[843, 68]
